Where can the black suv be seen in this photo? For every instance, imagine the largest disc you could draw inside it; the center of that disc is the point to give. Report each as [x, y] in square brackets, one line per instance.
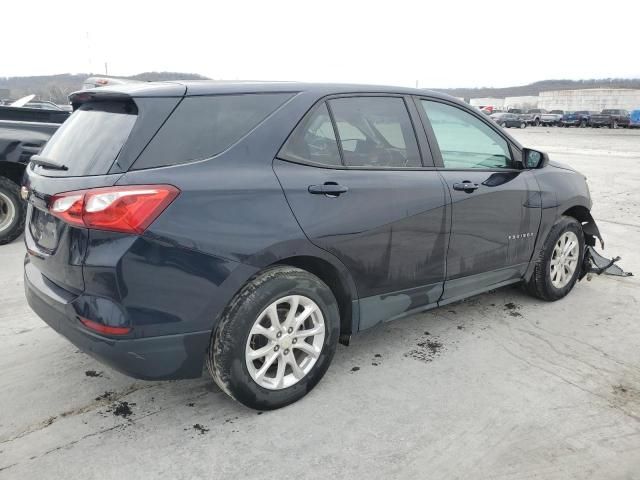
[253, 226]
[612, 118]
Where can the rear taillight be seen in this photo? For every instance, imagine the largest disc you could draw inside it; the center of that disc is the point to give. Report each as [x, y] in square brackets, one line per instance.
[128, 209]
[101, 328]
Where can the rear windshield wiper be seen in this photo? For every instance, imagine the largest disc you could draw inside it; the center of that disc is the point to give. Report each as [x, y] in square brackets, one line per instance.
[47, 163]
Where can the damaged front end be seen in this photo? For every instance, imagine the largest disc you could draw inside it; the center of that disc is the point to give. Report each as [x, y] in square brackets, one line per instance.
[593, 262]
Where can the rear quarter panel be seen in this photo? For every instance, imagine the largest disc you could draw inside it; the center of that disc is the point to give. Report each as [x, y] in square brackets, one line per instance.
[230, 220]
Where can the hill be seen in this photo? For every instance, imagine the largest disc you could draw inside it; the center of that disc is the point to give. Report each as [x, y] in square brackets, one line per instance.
[542, 86]
[56, 88]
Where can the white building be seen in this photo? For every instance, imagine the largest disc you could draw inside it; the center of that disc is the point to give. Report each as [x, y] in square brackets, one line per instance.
[590, 99]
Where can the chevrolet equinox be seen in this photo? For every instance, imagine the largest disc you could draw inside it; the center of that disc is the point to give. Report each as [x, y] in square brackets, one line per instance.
[253, 226]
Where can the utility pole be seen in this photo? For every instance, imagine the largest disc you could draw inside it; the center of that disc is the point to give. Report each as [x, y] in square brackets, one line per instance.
[106, 70]
[89, 53]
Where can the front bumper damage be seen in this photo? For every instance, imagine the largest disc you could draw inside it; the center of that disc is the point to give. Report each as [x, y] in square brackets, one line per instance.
[593, 262]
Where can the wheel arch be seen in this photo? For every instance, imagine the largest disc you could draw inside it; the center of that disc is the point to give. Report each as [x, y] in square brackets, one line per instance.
[340, 283]
[13, 171]
[589, 227]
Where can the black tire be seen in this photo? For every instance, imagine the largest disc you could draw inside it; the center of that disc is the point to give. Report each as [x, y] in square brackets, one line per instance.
[13, 206]
[536, 122]
[583, 123]
[540, 283]
[226, 355]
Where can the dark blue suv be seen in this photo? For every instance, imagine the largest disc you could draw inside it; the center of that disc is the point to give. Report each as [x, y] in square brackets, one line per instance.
[253, 226]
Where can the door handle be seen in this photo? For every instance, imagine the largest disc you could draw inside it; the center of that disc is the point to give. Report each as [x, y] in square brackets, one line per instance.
[466, 186]
[329, 188]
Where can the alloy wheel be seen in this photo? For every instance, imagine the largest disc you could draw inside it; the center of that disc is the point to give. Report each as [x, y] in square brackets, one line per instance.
[564, 259]
[285, 342]
[7, 212]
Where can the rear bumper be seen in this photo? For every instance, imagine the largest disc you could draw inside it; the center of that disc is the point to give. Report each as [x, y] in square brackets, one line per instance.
[150, 358]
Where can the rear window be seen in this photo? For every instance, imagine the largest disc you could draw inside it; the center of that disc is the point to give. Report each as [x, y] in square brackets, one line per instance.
[203, 126]
[89, 141]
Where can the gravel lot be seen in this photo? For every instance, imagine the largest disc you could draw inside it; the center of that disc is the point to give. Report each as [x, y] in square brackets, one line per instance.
[501, 386]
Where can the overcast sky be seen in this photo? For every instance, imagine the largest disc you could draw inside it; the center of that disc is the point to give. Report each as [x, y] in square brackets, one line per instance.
[445, 43]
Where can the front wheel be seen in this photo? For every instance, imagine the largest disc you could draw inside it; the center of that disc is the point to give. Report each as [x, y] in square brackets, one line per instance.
[558, 265]
[12, 211]
[276, 338]
[523, 125]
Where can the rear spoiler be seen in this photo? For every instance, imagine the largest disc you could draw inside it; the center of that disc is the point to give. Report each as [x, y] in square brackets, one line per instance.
[127, 92]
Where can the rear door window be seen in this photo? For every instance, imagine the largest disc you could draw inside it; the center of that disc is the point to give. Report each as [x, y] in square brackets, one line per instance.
[375, 132]
[89, 141]
[204, 126]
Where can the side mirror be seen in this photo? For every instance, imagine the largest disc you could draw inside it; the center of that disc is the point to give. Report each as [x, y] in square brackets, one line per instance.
[534, 158]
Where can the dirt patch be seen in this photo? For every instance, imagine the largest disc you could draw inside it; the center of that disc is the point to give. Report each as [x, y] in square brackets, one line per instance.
[427, 349]
[93, 373]
[626, 398]
[106, 396]
[377, 360]
[201, 429]
[121, 409]
[512, 309]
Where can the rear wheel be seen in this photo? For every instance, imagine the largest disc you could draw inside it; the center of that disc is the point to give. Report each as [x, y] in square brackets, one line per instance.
[503, 124]
[558, 265]
[275, 339]
[614, 124]
[537, 122]
[523, 125]
[12, 211]
[583, 123]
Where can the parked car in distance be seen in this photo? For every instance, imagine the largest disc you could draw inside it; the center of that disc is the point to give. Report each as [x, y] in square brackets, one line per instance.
[552, 118]
[611, 117]
[508, 120]
[634, 119]
[532, 117]
[266, 235]
[580, 118]
[23, 133]
[43, 105]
